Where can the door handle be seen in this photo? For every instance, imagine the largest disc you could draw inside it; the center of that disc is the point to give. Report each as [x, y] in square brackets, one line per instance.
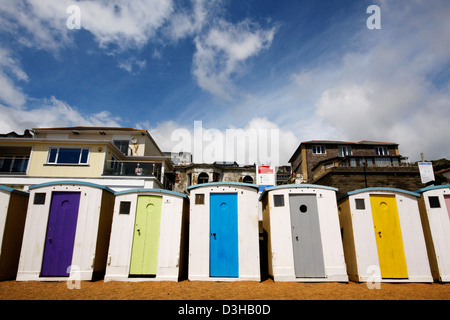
[214, 234]
[139, 231]
[50, 240]
[296, 238]
[379, 234]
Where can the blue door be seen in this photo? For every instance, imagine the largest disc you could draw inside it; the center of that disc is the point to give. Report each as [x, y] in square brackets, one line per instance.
[224, 248]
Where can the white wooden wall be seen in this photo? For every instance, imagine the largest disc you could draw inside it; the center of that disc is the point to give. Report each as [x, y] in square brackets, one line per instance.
[85, 237]
[439, 227]
[122, 231]
[248, 233]
[412, 235]
[281, 237]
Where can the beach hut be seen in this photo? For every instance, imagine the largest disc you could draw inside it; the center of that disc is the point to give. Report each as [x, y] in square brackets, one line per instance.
[13, 211]
[66, 232]
[148, 236]
[434, 205]
[382, 236]
[224, 234]
[301, 224]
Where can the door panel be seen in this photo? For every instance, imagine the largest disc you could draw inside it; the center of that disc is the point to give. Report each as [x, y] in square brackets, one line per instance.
[60, 236]
[144, 254]
[391, 253]
[306, 238]
[447, 203]
[224, 247]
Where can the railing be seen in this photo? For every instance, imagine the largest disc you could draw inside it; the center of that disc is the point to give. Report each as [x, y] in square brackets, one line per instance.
[14, 164]
[132, 168]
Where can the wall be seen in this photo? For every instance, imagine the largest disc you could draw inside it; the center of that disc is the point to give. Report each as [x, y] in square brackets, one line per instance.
[39, 168]
[349, 179]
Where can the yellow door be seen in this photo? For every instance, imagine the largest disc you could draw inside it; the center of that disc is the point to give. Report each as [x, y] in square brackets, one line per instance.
[388, 236]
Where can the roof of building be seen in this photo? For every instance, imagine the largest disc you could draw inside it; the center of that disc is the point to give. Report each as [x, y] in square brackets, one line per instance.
[82, 128]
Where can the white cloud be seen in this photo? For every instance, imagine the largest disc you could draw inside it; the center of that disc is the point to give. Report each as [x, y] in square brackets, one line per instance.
[10, 70]
[122, 23]
[52, 113]
[221, 52]
[387, 90]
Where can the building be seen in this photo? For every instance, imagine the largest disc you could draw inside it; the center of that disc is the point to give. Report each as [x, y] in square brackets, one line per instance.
[119, 158]
[188, 175]
[353, 165]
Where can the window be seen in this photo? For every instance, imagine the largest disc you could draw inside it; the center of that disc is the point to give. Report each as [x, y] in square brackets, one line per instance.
[345, 151]
[318, 149]
[203, 178]
[39, 198]
[247, 179]
[68, 156]
[381, 151]
[278, 200]
[434, 202]
[360, 205]
[122, 145]
[200, 198]
[124, 207]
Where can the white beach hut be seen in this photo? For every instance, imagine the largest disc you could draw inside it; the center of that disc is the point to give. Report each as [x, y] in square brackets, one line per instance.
[13, 211]
[223, 234]
[383, 237]
[148, 236]
[434, 205]
[301, 224]
[66, 232]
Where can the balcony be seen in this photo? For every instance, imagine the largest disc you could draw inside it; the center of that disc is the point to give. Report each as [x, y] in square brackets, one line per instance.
[133, 169]
[359, 163]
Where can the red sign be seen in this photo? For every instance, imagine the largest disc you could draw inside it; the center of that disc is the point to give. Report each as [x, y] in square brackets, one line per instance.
[265, 169]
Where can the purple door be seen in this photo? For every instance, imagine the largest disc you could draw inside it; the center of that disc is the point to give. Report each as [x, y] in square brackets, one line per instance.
[59, 241]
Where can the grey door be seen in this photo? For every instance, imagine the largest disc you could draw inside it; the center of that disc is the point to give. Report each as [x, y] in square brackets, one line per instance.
[306, 240]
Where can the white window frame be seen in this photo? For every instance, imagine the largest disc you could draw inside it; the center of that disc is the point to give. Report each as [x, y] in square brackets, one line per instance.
[319, 150]
[345, 151]
[381, 151]
[75, 164]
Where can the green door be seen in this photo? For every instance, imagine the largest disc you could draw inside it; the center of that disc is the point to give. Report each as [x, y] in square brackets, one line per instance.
[144, 253]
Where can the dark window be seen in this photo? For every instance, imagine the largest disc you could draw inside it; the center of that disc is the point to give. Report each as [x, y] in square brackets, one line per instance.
[360, 205]
[278, 200]
[122, 145]
[303, 208]
[39, 198]
[68, 155]
[52, 155]
[434, 202]
[200, 198]
[124, 207]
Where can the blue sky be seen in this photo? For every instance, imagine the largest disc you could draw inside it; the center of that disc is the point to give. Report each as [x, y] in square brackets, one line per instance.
[309, 69]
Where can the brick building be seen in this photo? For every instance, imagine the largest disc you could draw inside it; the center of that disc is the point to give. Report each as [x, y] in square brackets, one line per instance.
[353, 165]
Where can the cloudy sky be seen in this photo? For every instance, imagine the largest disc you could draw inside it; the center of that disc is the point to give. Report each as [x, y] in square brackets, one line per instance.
[303, 69]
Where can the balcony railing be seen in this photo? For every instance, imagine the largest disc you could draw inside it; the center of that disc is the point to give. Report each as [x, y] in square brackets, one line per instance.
[133, 168]
[14, 164]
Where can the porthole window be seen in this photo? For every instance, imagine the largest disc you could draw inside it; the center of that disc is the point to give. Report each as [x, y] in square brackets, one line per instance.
[303, 208]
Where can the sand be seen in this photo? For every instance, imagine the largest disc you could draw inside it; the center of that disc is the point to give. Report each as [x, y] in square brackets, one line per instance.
[202, 290]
